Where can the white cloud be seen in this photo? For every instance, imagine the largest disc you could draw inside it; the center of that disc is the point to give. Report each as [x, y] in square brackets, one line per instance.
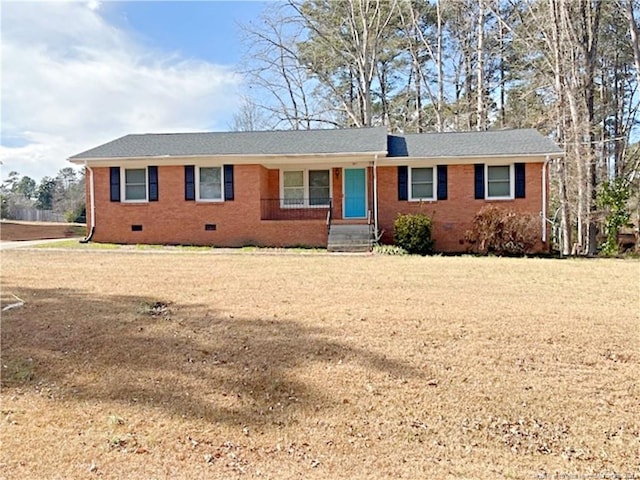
[71, 81]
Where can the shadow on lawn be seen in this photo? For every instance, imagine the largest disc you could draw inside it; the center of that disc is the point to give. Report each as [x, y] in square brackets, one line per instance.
[191, 361]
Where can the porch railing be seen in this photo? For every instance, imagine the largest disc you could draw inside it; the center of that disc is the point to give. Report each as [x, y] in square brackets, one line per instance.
[295, 209]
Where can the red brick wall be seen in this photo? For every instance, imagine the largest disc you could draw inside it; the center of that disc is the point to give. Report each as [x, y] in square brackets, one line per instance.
[173, 220]
[451, 217]
[337, 192]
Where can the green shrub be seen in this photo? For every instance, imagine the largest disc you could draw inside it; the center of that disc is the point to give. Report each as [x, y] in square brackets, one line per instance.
[612, 198]
[503, 231]
[412, 232]
[77, 215]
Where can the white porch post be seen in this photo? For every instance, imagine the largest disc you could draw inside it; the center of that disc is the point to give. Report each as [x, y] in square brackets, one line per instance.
[375, 195]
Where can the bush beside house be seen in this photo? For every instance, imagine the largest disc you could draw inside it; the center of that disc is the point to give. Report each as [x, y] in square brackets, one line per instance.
[503, 231]
[412, 232]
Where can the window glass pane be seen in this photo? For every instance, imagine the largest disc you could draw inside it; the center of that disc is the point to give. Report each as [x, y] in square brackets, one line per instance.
[137, 175]
[294, 196]
[422, 182]
[293, 179]
[135, 192]
[210, 192]
[422, 190]
[499, 181]
[319, 196]
[210, 175]
[421, 175]
[135, 184]
[499, 189]
[319, 187]
[319, 178]
[293, 188]
[210, 183]
[498, 173]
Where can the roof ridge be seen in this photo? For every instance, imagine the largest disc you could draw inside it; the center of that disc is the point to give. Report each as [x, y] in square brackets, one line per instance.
[475, 132]
[260, 131]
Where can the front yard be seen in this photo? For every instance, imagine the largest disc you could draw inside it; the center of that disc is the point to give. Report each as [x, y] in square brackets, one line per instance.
[192, 364]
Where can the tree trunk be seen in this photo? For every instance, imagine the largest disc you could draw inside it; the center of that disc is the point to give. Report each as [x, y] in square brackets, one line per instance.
[481, 116]
[633, 30]
[555, 45]
[440, 103]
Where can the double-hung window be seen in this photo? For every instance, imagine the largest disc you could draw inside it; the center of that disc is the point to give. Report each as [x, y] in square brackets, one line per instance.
[135, 184]
[305, 188]
[421, 183]
[209, 182]
[319, 187]
[499, 181]
[293, 188]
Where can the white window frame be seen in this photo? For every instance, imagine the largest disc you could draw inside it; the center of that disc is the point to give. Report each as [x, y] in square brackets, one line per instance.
[305, 185]
[434, 181]
[197, 184]
[511, 195]
[123, 185]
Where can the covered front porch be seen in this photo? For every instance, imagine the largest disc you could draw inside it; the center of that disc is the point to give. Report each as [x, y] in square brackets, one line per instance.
[314, 192]
[338, 198]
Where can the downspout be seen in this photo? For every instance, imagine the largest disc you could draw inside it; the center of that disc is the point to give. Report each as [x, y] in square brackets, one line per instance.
[375, 195]
[544, 198]
[92, 208]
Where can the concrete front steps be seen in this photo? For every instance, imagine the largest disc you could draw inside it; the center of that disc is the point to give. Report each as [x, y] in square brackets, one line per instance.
[349, 238]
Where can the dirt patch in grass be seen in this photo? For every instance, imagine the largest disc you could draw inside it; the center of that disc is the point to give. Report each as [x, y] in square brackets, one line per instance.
[190, 365]
[13, 230]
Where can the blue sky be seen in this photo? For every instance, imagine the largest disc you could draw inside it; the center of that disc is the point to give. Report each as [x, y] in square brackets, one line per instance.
[78, 74]
[208, 30]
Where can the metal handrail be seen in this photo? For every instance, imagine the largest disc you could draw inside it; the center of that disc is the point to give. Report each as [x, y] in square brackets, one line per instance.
[329, 216]
[300, 209]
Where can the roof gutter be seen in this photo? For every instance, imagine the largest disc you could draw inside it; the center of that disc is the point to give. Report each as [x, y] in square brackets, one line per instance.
[92, 205]
[469, 159]
[250, 158]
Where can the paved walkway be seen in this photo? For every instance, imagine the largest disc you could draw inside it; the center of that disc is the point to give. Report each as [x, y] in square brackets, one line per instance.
[7, 245]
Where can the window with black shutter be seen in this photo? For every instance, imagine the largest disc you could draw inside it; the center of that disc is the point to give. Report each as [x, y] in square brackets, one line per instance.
[442, 182]
[114, 174]
[403, 182]
[189, 182]
[479, 181]
[153, 183]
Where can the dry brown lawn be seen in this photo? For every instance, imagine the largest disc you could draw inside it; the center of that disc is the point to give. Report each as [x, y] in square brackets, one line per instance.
[189, 365]
[17, 230]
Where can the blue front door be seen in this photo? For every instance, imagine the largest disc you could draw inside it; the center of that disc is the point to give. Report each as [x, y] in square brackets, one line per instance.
[355, 193]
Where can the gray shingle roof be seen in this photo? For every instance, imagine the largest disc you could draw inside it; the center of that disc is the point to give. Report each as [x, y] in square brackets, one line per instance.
[289, 142]
[471, 144]
[301, 142]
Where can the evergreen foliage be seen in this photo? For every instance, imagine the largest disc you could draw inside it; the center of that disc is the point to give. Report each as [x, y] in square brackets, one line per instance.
[412, 232]
[612, 198]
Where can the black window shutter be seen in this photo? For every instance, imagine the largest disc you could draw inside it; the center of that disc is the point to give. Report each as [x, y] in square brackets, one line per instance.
[442, 182]
[153, 183]
[403, 182]
[479, 181]
[189, 182]
[520, 180]
[228, 182]
[114, 182]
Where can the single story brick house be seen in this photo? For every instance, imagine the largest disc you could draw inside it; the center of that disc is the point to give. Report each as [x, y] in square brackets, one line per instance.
[294, 188]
